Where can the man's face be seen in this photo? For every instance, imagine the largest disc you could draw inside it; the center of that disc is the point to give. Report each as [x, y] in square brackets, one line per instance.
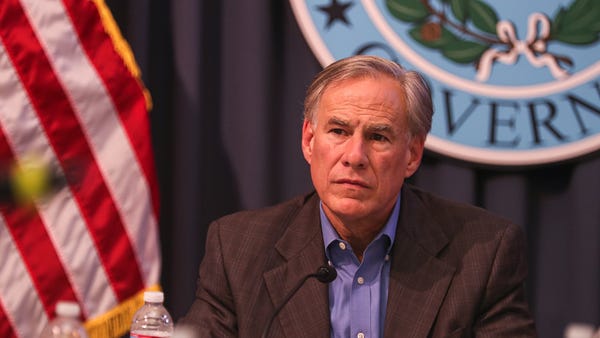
[359, 150]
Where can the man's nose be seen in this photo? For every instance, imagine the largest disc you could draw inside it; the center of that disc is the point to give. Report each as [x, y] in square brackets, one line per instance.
[355, 153]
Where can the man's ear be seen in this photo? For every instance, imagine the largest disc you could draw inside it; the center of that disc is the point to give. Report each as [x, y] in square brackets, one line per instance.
[308, 136]
[417, 143]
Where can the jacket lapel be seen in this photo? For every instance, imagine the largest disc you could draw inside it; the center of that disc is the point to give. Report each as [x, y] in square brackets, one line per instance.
[301, 246]
[418, 279]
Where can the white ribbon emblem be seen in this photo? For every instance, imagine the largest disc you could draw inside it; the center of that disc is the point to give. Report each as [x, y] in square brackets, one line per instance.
[534, 48]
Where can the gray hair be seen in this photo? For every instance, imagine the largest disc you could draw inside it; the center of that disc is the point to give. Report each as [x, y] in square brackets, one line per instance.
[416, 90]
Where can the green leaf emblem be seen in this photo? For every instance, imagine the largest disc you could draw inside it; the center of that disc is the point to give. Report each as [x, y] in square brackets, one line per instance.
[466, 32]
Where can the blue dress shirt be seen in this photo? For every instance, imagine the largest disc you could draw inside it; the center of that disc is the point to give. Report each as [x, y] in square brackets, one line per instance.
[358, 296]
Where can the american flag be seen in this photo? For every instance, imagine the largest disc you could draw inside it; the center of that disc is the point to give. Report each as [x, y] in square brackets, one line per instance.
[70, 95]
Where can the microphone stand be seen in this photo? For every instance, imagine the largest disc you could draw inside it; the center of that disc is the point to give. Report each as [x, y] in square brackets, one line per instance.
[325, 274]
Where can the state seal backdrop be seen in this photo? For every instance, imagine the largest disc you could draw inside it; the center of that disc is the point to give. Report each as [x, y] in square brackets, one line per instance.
[514, 83]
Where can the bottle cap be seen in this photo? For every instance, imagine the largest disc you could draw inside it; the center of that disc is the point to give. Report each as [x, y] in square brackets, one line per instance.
[67, 309]
[154, 297]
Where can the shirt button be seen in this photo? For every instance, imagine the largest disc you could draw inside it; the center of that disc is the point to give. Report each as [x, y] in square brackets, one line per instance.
[387, 258]
[360, 335]
[342, 245]
[360, 281]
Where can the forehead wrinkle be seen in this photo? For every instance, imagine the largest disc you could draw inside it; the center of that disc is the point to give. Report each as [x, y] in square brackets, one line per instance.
[385, 112]
[379, 111]
[376, 106]
[377, 127]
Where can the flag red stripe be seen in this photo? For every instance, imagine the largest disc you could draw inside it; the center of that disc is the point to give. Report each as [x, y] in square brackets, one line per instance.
[125, 91]
[69, 142]
[36, 247]
[6, 329]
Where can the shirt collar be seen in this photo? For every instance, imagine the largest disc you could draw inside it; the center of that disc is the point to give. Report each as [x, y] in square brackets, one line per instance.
[389, 230]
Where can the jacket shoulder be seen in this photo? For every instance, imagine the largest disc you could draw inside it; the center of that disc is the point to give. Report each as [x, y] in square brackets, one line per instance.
[269, 221]
[446, 211]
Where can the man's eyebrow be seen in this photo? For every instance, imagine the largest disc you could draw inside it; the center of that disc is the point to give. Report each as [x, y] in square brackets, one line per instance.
[379, 128]
[338, 121]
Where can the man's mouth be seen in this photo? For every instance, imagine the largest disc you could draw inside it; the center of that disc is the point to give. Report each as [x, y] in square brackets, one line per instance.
[356, 183]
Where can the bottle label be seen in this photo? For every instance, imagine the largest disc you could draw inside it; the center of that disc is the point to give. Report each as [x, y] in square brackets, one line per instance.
[150, 335]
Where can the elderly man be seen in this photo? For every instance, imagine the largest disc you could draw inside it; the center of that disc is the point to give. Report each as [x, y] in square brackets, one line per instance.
[409, 264]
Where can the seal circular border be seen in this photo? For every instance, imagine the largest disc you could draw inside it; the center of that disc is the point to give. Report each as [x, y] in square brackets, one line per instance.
[444, 147]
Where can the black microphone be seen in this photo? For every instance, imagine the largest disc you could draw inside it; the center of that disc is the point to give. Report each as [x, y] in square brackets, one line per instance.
[325, 274]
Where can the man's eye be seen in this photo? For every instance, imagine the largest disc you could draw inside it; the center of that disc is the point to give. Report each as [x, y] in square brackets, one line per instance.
[378, 137]
[337, 131]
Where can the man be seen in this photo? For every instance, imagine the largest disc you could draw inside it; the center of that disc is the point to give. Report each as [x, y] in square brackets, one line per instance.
[409, 264]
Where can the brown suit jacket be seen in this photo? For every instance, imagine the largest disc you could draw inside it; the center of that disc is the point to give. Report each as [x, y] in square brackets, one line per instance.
[457, 271]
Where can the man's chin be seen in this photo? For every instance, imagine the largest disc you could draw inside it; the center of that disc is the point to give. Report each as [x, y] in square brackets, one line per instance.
[347, 207]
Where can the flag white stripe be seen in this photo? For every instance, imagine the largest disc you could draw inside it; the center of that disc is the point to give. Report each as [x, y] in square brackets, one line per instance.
[17, 293]
[61, 215]
[100, 122]
[77, 252]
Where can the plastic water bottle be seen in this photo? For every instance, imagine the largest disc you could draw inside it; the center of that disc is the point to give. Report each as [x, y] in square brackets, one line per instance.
[66, 324]
[152, 320]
